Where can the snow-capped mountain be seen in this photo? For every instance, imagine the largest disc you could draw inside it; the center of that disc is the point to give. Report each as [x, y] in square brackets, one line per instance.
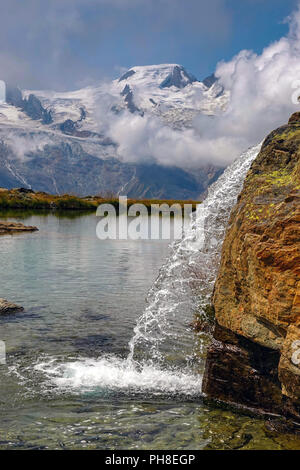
[170, 92]
[61, 141]
[166, 90]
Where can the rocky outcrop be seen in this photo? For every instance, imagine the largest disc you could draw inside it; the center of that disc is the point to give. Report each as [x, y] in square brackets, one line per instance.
[8, 307]
[254, 359]
[32, 106]
[128, 95]
[13, 227]
[34, 109]
[178, 78]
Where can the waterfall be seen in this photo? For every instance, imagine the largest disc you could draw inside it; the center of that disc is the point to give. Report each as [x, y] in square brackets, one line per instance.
[161, 349]
[185, 282]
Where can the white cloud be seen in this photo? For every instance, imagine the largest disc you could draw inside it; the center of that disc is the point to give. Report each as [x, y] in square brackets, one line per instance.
[24, 145]
[146, 139]
[261, 91]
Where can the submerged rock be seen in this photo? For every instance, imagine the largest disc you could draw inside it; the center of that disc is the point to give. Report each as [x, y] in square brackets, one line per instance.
[11, 227]
[254, 359]
[8, 307]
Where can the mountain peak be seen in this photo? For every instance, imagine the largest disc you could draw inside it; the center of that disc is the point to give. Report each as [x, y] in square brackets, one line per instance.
[178, 77]
[162, 76]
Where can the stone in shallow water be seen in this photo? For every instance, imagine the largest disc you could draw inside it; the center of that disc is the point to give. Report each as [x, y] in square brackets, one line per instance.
[11, 227]
[8, 307]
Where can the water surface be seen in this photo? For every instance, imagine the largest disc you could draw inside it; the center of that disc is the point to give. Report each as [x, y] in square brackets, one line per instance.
[67, 383]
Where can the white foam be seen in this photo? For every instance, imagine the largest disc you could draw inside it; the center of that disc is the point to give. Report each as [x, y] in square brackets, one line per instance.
[111, 373]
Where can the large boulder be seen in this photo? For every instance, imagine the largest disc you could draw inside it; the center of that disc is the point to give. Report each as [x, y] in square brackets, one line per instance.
[254, 358]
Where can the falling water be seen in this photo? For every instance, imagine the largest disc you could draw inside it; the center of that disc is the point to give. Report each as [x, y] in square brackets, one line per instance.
[161, 348]
[185, 283]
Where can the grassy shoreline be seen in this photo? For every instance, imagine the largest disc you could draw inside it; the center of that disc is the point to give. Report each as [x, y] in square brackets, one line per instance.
[19, 199]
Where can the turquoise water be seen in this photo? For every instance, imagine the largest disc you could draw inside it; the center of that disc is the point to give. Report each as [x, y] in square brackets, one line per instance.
[67, 383]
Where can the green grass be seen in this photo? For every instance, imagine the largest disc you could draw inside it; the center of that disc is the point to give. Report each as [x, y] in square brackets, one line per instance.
[13, 199]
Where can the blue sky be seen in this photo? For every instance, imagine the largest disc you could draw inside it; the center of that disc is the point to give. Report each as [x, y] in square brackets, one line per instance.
[64, 44]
